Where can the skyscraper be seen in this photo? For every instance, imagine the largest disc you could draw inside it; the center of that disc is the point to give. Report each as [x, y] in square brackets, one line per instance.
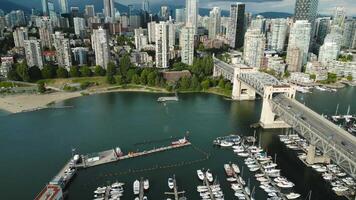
[80, 55]
[299, 40]
[191, 11]
[323, 28]
[100, 45]
[328, 51]
[146, 6]
[63, 51]
[141, 38]
[89, 11]
[164, 13]
[214, 22]
[306, 10]
[180, 15]
[79, 26]
[187, 44]
[109, 10]
[254, 47]
[235, 33]
[258, 23]
[277, 35]
[45, 7]
[151, 29]
[162, 44]
[64, 6]
[348, 33]
[33, 53]
[339, 16]
[45, 30]
[20, 34]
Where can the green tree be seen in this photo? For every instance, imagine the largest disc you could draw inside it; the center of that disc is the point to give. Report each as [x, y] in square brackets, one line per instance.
[221, 83]
[86, 71]
[124, 64]
[119, 80]
[35, 73]
[228, 86]
[74, 71]
[48, 72]
[41, 87]
[184, 83]
[194, 84]
[130, 74]
[23, 71]
[135, 79]
[312, 76]
[205, 84]
[12, 75]
[99, 71]
[151, 78]
[110, 73]
[349, 78]
[287, 74]
[62, 72]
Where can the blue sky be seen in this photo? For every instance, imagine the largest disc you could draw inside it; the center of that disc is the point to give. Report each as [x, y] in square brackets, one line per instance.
[255, 6]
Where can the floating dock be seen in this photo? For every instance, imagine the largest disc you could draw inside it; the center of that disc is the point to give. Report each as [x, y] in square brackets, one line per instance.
[110, 156]
[164, 99]
[66, 174]
[234, 174]
[175, 190]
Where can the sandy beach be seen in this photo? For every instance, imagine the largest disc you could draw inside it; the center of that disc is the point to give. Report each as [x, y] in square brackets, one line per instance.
[29, 102]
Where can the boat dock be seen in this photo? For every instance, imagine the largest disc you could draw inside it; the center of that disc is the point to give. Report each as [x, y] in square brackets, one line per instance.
[142, 190]
[234, 174]
[175, 190]
[110, 156]
[206, 182]
[280, 194]
[163, 99]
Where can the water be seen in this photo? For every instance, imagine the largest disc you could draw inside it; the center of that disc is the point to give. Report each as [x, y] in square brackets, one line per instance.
[36, 145]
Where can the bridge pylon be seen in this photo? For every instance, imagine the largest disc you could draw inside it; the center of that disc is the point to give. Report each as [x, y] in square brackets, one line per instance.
[268, 118]
[240, 90]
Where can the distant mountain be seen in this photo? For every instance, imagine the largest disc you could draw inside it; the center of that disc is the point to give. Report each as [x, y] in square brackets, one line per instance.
[275, 14]
[8, 6]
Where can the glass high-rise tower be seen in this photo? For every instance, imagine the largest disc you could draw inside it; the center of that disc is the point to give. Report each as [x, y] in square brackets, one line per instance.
[306, 10]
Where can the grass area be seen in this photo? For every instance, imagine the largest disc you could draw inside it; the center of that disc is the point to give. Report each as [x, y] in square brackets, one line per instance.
[10, 85]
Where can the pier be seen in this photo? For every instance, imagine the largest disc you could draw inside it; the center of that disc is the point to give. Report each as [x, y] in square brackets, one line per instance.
[175, 190]
[110, 156]
[234, 174]
[163, 99]
[142, 190]
[206, 182]
[66, 174]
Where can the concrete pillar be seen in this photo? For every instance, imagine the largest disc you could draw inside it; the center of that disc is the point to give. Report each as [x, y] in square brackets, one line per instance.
[241, 91]
[312, 158]
[267, 119]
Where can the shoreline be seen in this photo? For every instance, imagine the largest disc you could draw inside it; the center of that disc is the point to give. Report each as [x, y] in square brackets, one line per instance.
[20, 103]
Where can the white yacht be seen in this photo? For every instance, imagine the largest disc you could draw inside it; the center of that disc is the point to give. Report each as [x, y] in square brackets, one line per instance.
[146, 184]
[200, 174]
[136, 187]
[170, 183]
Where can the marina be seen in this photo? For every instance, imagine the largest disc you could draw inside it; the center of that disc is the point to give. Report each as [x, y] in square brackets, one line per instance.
[65, 175]
[172, 184]
[331, 173]
[120, 129]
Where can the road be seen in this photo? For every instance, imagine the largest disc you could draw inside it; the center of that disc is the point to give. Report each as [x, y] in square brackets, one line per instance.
[340, 137]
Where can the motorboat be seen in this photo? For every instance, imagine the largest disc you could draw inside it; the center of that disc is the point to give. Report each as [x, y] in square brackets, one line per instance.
[285, 184]
[170, 183]
[136, 187]
[180, 141]
[209, 176]
[228, 169]
[236, 168]
[146, 184]
[292, 195]
[200, 174]
[226, 143]
[339, 190]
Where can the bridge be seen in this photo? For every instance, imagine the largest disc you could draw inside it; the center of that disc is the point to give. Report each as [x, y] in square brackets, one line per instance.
[281, 110]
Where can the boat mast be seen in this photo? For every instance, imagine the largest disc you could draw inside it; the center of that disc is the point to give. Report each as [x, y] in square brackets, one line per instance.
[348, 110]
[337, 108]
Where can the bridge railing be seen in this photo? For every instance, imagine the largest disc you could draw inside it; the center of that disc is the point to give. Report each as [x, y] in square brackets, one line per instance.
[348, 155]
